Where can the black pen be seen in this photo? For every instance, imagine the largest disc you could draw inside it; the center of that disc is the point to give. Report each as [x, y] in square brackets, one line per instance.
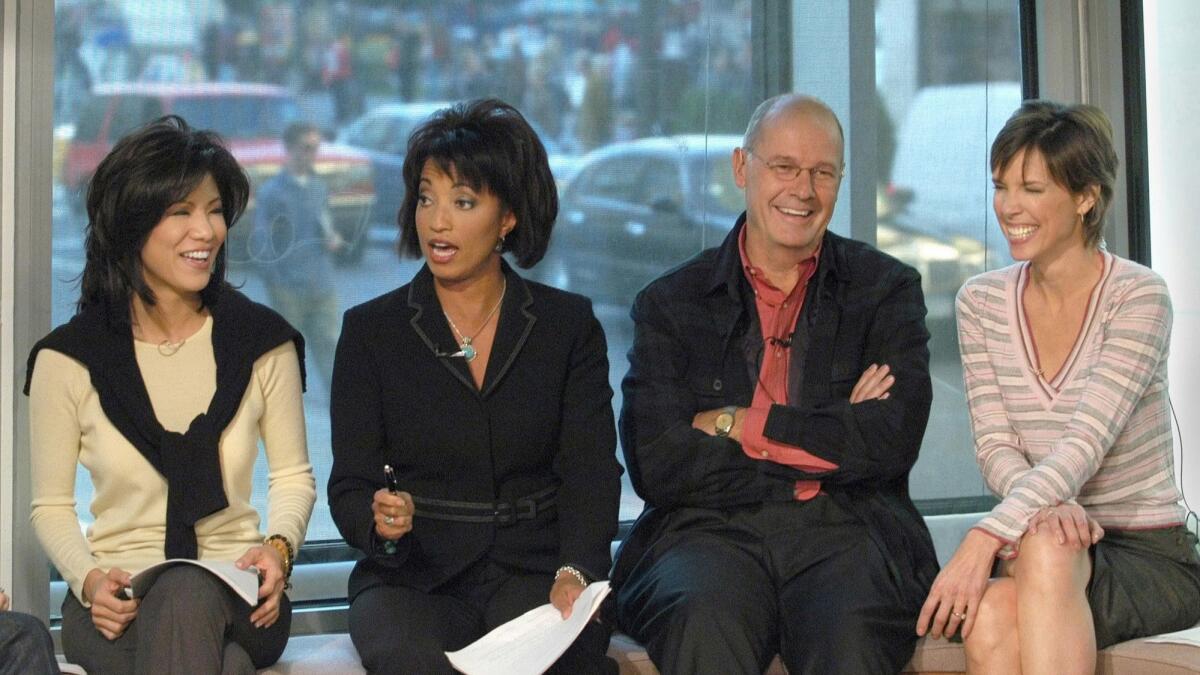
[389, 476]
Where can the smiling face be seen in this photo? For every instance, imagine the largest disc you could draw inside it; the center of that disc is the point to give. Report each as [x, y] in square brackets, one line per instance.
[458, 227]
[179, 253]
[786, 219]
[1039, 217]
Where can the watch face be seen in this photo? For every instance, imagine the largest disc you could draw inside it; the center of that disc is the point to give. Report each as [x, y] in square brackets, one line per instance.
[724, 423]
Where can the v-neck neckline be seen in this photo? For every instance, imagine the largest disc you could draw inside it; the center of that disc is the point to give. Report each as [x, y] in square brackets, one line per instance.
[1049, 389]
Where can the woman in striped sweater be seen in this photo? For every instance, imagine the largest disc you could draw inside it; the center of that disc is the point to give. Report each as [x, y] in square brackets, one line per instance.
[1065, 363]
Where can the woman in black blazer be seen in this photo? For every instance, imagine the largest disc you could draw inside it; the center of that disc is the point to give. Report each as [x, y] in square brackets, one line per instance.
[488, 395]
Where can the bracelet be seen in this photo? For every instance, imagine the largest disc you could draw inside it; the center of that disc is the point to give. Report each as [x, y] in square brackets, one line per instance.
[567, 569]
[286, 551]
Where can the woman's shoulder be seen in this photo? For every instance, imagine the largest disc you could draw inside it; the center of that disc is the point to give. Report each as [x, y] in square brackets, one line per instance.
[989, 288]
[556, 300]
[1127, 274]
[379, 306]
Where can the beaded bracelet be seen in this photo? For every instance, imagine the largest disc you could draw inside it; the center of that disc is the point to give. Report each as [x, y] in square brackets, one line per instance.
[567, 569]
[286, 551]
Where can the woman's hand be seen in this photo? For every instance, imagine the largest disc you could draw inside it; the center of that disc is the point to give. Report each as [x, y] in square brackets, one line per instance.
[271, 582]
[875, 382]
[111, 612]
[564, 593]
[393, 514]
[3, 601]
[1069, 523]
[954, 598]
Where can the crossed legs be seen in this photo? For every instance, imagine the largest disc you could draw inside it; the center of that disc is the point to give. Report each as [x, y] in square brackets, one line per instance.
[1037, 618]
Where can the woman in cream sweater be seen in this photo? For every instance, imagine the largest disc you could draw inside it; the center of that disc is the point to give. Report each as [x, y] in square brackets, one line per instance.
[161, 387]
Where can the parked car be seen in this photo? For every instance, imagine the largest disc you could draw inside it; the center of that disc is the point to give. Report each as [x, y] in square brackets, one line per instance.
[942, 167]
[382, 133]
[250, 117]
[636, 209]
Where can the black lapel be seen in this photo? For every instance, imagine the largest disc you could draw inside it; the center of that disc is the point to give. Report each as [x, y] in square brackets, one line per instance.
[516, 322]
[431, 326]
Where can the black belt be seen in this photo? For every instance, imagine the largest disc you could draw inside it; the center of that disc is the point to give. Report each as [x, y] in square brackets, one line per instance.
[500, 512]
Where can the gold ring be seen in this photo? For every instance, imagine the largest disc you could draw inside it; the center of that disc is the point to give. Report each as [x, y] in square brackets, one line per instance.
[958, 615]
[389, 520]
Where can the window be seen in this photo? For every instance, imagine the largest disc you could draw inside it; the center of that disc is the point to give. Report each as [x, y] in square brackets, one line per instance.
[640, 104]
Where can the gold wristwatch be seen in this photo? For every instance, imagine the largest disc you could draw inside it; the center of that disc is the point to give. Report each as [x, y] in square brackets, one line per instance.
[724, 421]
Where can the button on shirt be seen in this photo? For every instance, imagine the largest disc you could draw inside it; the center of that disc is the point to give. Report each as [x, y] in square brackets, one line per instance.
[777, 313]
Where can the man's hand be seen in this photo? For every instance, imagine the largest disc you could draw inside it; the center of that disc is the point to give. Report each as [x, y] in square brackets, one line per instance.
[875, 382]
[111, 612]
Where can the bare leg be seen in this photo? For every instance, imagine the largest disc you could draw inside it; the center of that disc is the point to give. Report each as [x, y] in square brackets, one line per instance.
[994, 644]
[1054, 620]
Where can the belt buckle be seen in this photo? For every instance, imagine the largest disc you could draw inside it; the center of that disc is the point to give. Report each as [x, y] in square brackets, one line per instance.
[505, 513]
[526, 509]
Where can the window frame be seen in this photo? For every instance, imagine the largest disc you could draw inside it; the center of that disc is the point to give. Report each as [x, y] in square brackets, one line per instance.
[1079, 68]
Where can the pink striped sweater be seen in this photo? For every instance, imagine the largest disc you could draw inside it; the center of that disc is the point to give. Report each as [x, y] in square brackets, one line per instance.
[1099, 432]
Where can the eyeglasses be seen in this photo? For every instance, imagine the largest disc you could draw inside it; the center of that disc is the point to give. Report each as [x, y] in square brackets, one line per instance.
[822, 175]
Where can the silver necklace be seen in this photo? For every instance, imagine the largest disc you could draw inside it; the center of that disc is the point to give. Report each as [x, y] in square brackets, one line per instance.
[168, 348]
[465, 349]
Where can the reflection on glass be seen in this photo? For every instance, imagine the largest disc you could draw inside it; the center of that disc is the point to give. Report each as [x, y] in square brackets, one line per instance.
[640, 103]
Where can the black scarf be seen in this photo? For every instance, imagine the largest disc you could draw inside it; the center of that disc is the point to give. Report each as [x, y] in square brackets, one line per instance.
[101, 338]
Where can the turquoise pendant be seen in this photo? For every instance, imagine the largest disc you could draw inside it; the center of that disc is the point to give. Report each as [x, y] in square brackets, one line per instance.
[468, 351]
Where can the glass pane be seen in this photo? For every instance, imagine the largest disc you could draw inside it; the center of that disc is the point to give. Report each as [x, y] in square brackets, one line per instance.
[947, 76]
[654, 87]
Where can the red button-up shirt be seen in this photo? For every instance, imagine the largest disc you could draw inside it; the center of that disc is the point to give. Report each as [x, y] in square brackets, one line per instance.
[777, 314]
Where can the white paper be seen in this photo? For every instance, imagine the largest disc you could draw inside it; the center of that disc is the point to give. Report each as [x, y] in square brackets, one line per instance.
[1189, 636]
[532, 642]
[243, 582]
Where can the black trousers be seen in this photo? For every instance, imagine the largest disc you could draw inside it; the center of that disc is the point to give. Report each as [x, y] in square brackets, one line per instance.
[188, 622]
[402, 630]
[725, 590]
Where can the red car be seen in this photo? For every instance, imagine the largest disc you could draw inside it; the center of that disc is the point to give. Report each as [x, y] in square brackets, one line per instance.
[250, 117]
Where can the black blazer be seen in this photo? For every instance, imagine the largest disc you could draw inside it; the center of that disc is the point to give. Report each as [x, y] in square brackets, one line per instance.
[543, 417]
[695, 340]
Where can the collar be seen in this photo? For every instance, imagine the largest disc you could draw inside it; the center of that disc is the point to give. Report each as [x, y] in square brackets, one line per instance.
[728, 272]
[515, 322]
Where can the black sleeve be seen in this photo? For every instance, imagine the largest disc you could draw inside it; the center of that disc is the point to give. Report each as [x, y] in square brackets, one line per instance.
[873, 441]
[586, 463]
[670, 463]
[359, 440]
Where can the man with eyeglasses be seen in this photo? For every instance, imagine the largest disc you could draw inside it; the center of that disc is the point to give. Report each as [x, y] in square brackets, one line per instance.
[777, 395]
[293, 243]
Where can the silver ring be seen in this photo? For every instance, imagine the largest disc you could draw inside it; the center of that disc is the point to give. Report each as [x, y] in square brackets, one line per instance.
[389, 520]
[959, 616]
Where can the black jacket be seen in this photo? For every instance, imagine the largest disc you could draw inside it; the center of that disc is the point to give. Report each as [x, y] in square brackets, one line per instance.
[543, 417]
[695, 339]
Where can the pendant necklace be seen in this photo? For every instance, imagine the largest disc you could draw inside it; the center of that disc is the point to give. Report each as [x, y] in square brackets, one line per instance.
[465, 349]
[169, 348]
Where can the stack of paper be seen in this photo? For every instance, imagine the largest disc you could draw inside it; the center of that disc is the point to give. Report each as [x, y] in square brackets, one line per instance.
[532, 642]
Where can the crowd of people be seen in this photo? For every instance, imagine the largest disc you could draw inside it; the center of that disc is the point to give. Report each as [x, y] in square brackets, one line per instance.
[602, 76]
[776, 399]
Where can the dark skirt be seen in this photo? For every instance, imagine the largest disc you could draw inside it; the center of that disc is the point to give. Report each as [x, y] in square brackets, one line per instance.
[1144, 582]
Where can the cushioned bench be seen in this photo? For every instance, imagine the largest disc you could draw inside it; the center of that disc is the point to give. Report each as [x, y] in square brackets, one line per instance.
[335, 655]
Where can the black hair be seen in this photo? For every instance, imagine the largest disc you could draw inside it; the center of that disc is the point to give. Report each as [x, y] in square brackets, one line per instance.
[487, 144]
[146, 172]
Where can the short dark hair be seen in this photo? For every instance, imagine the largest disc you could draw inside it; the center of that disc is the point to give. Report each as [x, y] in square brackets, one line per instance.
[487, 144]
[145, 173]
[1076, 143]
[298, 130]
